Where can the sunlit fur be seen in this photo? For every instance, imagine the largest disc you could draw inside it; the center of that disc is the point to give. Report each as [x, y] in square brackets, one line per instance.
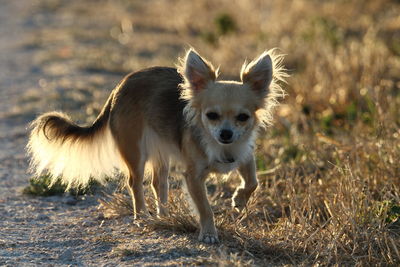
[279, 75]
[158, 115]
[77, 161]
[270, 100]
[232, 97]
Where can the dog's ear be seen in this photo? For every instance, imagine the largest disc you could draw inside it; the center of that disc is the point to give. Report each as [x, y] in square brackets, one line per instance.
[258, 73]
[197, 71]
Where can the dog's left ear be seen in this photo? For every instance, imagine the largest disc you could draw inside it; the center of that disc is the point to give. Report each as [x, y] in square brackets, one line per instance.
[198, 71]
[258, 74]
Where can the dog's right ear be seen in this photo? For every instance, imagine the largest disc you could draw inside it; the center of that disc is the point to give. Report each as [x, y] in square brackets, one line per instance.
[197, 71]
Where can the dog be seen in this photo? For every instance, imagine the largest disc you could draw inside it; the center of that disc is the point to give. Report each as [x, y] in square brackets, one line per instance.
[159, 115]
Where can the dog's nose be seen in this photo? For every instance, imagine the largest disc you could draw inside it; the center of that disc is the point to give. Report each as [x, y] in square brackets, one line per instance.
[226, 135]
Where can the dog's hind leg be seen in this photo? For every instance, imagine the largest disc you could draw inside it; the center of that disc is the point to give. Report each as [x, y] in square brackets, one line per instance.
[129, 142]
[136, 164]
[135, 184]
[160, 186]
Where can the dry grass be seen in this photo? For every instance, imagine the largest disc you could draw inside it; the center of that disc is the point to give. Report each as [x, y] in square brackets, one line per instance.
[332, 197]
[335, 146]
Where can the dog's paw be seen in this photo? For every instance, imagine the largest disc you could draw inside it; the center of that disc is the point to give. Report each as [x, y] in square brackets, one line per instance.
[209, 238]
[239, 202]
[143, 215]
[162, 212]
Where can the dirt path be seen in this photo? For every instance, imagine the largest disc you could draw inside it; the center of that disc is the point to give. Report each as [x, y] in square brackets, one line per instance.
[32, 230]
[58, 230]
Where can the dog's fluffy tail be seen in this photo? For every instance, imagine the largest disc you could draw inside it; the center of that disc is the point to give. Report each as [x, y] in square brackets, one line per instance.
[73, 153]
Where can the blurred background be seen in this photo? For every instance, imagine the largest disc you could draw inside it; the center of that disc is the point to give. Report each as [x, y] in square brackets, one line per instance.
[329, 166]
[343, 56]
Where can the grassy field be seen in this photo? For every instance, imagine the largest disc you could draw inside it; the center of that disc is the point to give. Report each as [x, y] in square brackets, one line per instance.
[329, 167]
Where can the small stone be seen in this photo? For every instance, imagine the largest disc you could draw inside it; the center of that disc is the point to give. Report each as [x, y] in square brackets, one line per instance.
[42, 217]
[127, 220]
[67, 255]
[87, 223]
[70, 200]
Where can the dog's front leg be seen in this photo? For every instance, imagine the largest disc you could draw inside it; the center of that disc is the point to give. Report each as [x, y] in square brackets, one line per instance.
[195, 183]
[249, 184]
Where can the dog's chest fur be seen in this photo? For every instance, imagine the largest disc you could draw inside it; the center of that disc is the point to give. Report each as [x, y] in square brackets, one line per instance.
[221, 158]
[220, 167]
[224, 159]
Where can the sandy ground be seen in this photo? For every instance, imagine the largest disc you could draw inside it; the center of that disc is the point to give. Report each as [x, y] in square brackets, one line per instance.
[67, 55]
[34, 230]
[59, 230]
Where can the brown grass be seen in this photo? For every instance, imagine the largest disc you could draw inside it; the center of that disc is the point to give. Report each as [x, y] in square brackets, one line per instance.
[329, 167]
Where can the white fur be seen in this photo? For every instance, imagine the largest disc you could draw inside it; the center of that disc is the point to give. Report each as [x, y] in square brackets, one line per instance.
[156, 151]
[75, 162]
[240, 151]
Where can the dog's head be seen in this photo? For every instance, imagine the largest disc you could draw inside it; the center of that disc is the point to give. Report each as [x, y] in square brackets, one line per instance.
[229, 111]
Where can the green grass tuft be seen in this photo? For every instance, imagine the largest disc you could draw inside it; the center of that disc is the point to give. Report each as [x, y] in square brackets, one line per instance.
[225, 24]
[40, 186]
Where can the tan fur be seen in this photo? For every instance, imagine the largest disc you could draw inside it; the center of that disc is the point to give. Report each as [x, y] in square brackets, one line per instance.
[159, 115]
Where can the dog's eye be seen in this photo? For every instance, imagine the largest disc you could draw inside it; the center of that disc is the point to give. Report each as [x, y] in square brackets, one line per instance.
[212, 116]
[242, 117]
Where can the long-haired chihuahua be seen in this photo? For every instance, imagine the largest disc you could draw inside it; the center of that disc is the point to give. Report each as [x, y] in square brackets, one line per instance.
[158, 115]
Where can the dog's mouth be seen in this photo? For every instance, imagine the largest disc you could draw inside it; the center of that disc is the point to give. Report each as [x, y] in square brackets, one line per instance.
[225, 142]
[226, 160]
